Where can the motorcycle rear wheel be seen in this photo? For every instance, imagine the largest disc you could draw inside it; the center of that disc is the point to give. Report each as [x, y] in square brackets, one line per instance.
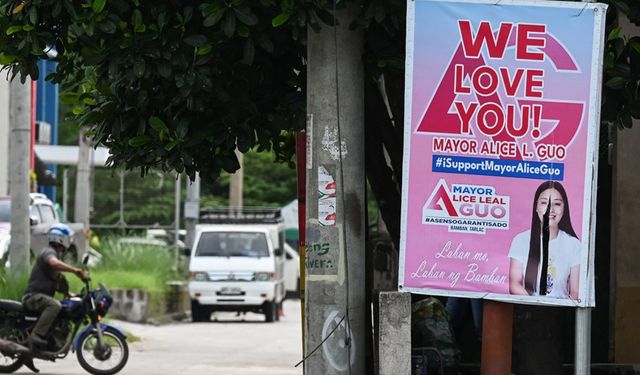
[9, 365]
[92, 358]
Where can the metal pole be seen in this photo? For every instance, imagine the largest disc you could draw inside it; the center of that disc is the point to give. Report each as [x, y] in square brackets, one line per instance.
[121, 222]
[583, 324]
[583, 341]
[65, 193]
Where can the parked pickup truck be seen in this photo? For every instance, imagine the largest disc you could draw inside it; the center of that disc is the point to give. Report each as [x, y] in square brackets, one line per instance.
[42, 214]
[237, 263]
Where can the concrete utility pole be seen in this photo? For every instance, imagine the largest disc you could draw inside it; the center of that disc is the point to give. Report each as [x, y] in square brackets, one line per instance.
[192, 210]
[177, 198]
[335, 235]
[4, 137]
[19, 156]
[83, 180]
[236, 183]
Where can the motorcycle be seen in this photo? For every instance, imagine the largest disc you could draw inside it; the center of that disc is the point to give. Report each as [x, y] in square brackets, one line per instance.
[101, 348]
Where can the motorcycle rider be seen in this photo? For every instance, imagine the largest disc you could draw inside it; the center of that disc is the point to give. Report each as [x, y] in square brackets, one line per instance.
[46, 279]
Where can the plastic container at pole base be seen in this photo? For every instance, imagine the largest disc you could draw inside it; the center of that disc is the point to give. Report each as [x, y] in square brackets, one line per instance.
[427, 360]
[418, 364]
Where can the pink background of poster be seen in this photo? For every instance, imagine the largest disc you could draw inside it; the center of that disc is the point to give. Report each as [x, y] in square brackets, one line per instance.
[432, 55]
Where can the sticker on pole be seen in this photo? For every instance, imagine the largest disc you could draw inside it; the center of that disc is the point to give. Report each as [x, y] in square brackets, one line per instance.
[326, 197]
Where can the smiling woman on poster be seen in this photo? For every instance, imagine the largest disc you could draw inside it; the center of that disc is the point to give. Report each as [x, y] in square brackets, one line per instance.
[564, 249]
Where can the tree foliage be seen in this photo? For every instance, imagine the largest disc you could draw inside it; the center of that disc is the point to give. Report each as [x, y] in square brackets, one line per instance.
[175, 85]
[178, 85]
[266, 183]
[621, 91]
[151, 200]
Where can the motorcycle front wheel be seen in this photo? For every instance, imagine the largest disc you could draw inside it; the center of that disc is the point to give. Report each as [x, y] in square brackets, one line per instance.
[102, 360]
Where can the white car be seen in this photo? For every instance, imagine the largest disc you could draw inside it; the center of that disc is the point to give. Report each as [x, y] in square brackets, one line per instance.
[42, 214]
[5, 239]
[168, 236]
[237, 267]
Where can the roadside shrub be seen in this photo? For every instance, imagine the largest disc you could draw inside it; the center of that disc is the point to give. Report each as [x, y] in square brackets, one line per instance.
[133, 266]
[157, 260]
[12, 286]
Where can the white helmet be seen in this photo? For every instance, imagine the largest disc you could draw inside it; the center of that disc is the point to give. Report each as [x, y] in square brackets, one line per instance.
[61, 234]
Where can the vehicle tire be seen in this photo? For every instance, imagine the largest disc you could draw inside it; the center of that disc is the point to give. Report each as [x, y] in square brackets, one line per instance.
[90, 356]
[5, 260]
[294, 294]
[199, 313]
[278, 310]
[270, 311]
[9, 365]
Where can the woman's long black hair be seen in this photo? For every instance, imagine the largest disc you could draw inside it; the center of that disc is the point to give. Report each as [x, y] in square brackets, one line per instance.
[531, 274]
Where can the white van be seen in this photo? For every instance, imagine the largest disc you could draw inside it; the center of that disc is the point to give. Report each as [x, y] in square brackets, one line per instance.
[237, 265]
[291, 272]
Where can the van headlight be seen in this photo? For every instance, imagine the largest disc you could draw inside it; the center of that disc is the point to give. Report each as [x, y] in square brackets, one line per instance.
[263, 276]
[198, 276]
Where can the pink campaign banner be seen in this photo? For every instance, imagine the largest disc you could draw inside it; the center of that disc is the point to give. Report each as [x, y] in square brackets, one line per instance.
[501, 134]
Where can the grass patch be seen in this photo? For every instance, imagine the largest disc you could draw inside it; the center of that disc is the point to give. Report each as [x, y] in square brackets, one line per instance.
[116, 279]
[133, 266]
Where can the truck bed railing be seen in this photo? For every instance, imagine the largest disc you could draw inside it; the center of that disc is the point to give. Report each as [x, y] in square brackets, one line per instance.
[240, 215]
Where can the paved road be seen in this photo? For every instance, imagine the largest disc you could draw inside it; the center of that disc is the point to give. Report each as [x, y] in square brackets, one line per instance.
[231, 345]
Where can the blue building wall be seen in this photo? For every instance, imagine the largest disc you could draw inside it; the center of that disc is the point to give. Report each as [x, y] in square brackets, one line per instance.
[47, 110]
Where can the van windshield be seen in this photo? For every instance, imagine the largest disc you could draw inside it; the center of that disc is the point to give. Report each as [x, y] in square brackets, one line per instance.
[232, 244]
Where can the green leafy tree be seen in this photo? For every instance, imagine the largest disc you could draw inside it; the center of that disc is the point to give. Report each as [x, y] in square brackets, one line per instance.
[267, 182]
[151, 200]
[178, 85]
[621, 91]
[168, 78]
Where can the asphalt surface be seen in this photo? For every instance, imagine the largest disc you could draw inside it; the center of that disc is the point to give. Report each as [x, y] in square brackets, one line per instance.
[229, 344]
